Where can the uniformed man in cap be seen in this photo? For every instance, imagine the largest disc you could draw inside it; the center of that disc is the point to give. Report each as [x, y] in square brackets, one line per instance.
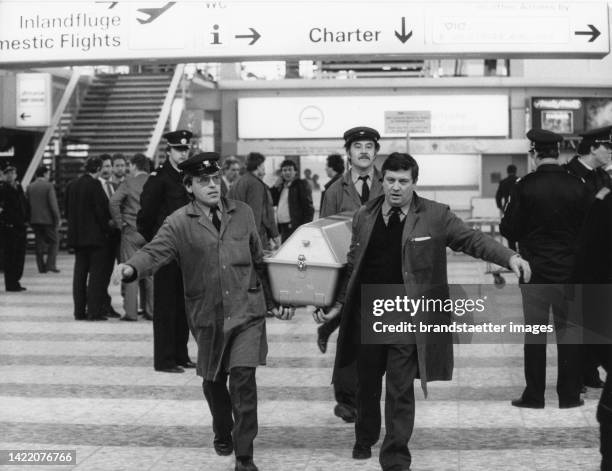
[594, 155]
[360, 184]
[216, 244]
[162, 194]
[544, 215]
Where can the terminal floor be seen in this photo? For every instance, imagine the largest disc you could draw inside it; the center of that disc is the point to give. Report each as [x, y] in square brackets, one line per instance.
[90, 386]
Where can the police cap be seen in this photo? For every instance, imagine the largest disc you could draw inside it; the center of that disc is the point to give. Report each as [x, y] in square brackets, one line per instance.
[601, 135]
[178, 138]
[204, 163]
[361, 133]
[542, 139]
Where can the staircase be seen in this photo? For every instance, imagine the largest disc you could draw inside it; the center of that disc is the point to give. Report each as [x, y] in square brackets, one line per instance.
[119, 112]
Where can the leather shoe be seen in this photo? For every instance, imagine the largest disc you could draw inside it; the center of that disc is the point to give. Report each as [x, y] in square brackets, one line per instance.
[361, 452]
[172, 369]
[583, 390]
[146, 315]
[570, 405]
[54, 270]
[223, 447]
[188, 364]
[595, 383]
[322, 339]
[245, 465]
[97, 318]
[129, 319]
[520, 402]
[16, 288]
[112, 313]
[346, 413]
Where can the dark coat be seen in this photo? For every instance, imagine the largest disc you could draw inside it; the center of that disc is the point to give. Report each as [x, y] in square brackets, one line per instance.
[544, 216]
[594, 180]
[301, 209]
[429, 228]
[87, 213]
[502, 195]
[333, 180]
[251, 190]
[222, 293]
[43, 203]
[15, 211]
[342, 196]
[162, 194]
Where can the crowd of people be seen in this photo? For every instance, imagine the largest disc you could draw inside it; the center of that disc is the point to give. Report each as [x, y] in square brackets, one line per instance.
[187, 241]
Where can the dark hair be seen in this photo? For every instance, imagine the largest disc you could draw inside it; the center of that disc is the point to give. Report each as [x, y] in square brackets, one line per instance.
[511, 169]
[118, 156]
[347, 145]
[336, 163]
[547, 152]
[289, 163]
[141, 162]
[584, 147]
[254, 160]
[104, 157]
[93, 164]
[398, 161]
[229, 161]
[41, 171]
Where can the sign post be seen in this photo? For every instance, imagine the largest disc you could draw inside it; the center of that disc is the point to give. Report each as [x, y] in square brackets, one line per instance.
[33, 100]
[68, 32]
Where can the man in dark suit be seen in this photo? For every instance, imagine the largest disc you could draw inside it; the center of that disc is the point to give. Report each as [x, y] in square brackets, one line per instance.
[502, 195]
[162, 194]
[13, 219]
[88, 231]
[400, 238]
[293, 200]
[44, 219]
[544, 215]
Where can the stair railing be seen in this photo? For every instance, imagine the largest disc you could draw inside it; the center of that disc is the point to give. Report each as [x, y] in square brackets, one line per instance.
[57, 116]
[165, 111]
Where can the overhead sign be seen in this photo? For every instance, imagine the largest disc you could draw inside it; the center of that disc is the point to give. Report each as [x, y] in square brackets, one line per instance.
[393, 116]
[33, 100]
[69, 32]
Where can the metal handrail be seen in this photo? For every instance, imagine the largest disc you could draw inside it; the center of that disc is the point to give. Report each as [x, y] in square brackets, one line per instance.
[57, 116]
[165, 111]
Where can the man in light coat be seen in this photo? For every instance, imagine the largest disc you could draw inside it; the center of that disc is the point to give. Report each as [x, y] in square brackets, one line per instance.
[400, 239]
[44, 219]
[216, 244]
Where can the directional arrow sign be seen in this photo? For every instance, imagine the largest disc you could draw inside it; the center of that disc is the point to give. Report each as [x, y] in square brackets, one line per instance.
[69, 32]
[25, 116]
[33, 100]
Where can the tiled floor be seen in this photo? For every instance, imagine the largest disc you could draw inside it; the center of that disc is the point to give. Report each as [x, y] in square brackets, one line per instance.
[91, 387]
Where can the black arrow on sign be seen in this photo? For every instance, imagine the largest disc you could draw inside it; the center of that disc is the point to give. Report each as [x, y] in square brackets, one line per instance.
[24, 115]
[254, 37]
[113, 4]
[594, 33]
[403, 37]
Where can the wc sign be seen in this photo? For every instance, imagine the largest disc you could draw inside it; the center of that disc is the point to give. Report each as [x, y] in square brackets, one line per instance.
[33, 100]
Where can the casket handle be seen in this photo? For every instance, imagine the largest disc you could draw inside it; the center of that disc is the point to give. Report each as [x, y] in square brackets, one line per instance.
[301, 264]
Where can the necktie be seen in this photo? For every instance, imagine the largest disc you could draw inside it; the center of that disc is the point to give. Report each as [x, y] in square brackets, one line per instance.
[394, 218]
[109, 189]
[365, 190]
[215, 218]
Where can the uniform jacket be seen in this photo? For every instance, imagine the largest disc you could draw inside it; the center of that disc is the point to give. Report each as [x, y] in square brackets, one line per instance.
[251, 190]
[301, 209]
[87, 213]
[43, 203]
[162, 194]
[594, 179]
[544, 215]
[423, 265]
[14, 206]
[222, 292]
[125, 202]
[503, 191]
[342, 195]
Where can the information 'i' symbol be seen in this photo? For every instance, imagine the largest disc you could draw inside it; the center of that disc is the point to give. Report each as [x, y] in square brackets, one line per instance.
[215, 35]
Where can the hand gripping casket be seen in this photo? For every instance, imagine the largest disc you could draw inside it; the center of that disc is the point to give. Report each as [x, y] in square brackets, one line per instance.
[305, 270]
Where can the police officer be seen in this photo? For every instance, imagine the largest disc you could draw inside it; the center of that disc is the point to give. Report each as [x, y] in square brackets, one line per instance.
[162, 194]
[544, 215]
[594, 267]
[594, 155]
[227, 295]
